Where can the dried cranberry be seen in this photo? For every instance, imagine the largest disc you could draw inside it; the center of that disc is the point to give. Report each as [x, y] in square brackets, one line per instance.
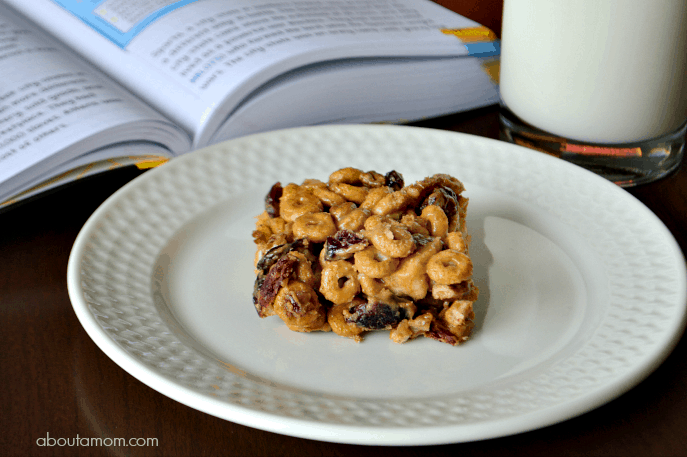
[343, 244]
[274, 253]
[421, 240]
[440, 332]
[376, 315]
[272, 200]
[394, 180]
[296, 309]
[267, 286]
[443, 197]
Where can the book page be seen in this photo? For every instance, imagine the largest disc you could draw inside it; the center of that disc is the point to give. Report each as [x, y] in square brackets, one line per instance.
[378, 91]
[143, 156]
[196, 60]
[53, 107]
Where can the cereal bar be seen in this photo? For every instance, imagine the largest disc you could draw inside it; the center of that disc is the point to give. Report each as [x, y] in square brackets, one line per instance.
[364, 252]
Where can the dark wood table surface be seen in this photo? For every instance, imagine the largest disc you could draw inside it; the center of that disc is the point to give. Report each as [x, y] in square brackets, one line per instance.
[54, 381]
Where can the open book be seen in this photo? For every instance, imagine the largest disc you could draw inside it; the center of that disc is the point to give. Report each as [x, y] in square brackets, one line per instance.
[89, 85]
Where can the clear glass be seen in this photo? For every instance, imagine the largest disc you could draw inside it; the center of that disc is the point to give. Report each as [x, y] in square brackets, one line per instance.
[600, 83]
[627, 165]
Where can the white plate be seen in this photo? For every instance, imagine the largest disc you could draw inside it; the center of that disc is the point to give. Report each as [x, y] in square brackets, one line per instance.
[582, 293]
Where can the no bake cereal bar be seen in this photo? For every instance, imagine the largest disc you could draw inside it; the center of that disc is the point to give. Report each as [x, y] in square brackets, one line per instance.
[364, 252]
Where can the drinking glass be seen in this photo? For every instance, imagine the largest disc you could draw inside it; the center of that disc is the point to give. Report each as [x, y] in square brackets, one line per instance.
[600, 83]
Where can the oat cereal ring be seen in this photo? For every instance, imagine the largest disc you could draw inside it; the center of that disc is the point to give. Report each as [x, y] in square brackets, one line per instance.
[327, 197]
[304, 269]
[438, 221]
[393, 240]
[312, 183]
[278, 225]
[316, 227]
[373, 179]
[373, 222]
[298, 202]
[340, 326]
[350, 192]
[274, 240]
[374, 288]
[298, 306]
[415, 224]
[456, 242]
[459, 318]
[340, 211]
[374, 195]
[355, 220]
[339, 283]
[348, 175]
[411, 328]
[449, 267]
[410, 278]
[397, 201]
[356, 177]
[372, 263]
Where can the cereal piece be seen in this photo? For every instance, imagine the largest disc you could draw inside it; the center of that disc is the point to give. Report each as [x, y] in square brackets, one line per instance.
[364, 252]
[414, 223]
[411, 328]
[304, 271]
[298, 306]
[340, 326]
[458, 316]
[348, 175]
[339, 282]
[455, 323]
[316, 227]
[390, 238]
[438, 221]
[328, 197]
[410, 279]
[449, 267]
[374, 288]
[340, 211]
[297, 201]
[356, 177]
[356, 194]
[374, 264]
[373, 197]
[354, 220]
[456, 242]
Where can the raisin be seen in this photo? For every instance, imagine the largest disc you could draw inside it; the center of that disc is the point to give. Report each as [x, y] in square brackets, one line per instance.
[272, 200]
[421, 240]
[295, 306]
[343, 244]
[440, 332]
[377, 315]
[394, 180]
[267, 286]
[276, 252]
[443, 197]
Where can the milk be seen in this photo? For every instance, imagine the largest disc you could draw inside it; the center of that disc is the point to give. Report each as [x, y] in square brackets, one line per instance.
[603, 71]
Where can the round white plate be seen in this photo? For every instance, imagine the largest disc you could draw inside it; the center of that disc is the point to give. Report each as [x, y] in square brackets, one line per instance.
[583, 293]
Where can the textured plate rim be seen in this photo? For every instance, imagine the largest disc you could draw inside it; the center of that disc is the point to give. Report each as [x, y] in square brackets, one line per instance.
[348, 433]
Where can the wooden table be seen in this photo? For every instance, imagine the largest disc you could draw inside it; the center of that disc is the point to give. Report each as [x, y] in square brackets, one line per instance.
[56, 382]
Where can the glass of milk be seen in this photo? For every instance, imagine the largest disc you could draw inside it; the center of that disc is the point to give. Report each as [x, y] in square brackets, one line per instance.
[601, 83]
